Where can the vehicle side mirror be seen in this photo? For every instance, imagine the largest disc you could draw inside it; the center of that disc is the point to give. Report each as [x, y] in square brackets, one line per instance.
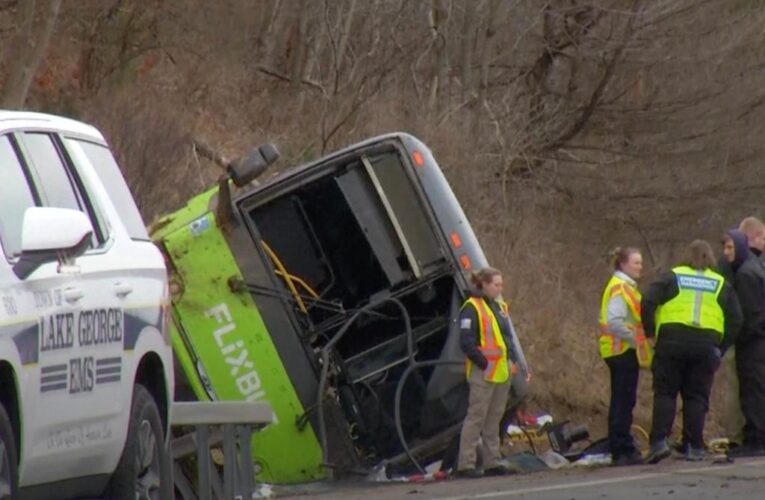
[48, 234]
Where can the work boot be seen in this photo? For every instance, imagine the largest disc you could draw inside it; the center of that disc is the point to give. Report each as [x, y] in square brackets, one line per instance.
[631, 459]
[659, 451]
[468, 474]
[747, 450]
[695, 454]
[497, 470]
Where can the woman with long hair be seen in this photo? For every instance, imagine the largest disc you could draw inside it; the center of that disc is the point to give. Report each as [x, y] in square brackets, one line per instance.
[694, 316]
[620, 330]
[485, 339]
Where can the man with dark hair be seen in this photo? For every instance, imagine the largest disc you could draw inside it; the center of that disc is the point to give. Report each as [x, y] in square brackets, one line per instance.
[735, 251]
[694, 315]
[749, 281]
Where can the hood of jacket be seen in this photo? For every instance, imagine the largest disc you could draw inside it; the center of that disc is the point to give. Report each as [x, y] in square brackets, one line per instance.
[741, 245]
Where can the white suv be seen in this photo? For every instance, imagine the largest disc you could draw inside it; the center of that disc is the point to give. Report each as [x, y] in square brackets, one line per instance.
[86, 375]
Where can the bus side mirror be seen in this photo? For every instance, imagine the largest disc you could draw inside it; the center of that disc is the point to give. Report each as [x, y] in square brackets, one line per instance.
[244, 170]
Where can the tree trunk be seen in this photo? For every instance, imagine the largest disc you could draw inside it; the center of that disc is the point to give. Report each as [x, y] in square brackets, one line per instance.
[438, 22]
[468, 38]
[263, 37]
[18, 59]
[486, 54]
[29, 52]
[298, 55]
[345, 32]
[315, 38]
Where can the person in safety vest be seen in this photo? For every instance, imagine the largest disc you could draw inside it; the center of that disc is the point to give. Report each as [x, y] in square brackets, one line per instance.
[694, 316]
[484, 338]
[620, 331]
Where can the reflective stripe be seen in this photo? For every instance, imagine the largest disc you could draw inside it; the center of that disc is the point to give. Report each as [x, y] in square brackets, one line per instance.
[487, 326]
[492, 344]
[695, 304]
[489, 349]
[611, 345]
[697, 299]
[632, 301]
[491, 370]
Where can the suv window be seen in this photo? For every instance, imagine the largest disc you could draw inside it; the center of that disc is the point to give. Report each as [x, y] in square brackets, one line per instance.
[109, 172]
[15, 198]
[55, 184]
[59, 184]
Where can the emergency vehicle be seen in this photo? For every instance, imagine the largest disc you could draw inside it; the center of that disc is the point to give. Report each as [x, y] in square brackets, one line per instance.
[86, 376]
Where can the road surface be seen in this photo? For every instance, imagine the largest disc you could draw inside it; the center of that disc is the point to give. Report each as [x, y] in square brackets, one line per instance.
[675, 479]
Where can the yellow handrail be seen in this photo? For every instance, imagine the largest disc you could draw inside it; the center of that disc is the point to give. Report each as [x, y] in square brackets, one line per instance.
[302, 283]
[288, 278]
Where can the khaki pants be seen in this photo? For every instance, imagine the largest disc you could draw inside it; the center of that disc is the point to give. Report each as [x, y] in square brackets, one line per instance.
[733, 419]
[486, 405]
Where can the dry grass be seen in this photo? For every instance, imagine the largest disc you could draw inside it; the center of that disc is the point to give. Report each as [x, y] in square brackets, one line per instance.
[589, 132]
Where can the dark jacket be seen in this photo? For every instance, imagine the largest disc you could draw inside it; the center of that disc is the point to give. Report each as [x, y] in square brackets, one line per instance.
[470, 337]
[749, 282]
[728, 269]
[676, 336]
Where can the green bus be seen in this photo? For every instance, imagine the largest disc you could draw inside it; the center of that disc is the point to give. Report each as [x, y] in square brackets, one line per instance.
[330, 291]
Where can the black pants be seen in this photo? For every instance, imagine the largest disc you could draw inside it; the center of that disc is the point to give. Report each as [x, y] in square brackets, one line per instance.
[690, 373]
[750, 366]
[624, 380]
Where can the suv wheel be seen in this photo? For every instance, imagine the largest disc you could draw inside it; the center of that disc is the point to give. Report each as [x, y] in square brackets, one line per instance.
[9, 477]
[143, 472]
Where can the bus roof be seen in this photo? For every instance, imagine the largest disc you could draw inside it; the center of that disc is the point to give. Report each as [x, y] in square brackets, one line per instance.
[402, 137]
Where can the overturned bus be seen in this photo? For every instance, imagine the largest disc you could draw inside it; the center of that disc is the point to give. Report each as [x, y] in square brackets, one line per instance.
[331, 292]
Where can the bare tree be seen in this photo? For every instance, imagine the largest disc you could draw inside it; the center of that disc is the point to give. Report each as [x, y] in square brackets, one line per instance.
[468, 44]
[577, 124]
[122, 33]
[299, 45]
[30, 46]
[440, 13]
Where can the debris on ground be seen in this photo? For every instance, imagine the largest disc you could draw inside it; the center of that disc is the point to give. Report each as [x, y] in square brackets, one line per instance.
[594, 460]
[554, 460]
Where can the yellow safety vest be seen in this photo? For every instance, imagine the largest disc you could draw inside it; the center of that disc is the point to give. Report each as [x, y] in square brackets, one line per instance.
[696, 302]
[493, 345]
[611, 345]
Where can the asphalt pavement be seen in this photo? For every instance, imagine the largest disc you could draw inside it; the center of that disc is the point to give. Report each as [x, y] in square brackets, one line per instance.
[675, 479]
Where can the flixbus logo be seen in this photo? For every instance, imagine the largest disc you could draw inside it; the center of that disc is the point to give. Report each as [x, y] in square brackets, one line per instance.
[235, 354]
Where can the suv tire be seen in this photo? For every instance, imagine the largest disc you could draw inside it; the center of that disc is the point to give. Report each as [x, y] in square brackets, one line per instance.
[9, 477]
[143, 472]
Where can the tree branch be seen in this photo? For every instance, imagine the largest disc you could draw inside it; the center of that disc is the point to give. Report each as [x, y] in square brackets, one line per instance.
[281, 76]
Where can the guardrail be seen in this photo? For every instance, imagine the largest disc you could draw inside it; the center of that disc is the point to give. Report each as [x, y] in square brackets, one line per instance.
[229, 422]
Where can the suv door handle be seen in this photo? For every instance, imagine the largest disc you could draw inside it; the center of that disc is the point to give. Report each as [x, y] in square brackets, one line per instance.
[122, 289]
[73, 294]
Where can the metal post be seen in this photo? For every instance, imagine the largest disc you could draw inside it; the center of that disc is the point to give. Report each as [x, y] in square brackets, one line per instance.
[217, 482]
[239, 420]
[245, 462]
[182, 484]
[203, 462]
[229, 462]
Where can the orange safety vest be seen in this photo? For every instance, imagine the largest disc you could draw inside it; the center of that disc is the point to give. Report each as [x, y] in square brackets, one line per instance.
[611, 345]
[493, 345]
